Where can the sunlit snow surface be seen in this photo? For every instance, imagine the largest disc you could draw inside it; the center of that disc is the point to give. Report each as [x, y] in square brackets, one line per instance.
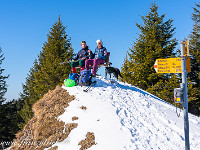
[122, 116]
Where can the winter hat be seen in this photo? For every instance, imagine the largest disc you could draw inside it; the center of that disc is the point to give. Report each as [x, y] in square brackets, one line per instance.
[83, 42]
[99, 40]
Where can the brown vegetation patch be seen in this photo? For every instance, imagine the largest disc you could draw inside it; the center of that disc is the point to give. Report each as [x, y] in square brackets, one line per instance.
[53, 148]
[43, 130]
[88, 142]
[83, 107]
[74, 118]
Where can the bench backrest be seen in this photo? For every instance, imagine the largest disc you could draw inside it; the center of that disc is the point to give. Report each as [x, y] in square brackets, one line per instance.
[107, 58]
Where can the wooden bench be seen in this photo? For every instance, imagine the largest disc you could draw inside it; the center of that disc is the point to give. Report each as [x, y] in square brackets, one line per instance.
[105, 64]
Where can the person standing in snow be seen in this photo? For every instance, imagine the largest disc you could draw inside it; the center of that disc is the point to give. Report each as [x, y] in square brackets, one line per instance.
[100, 55]
[80, 57]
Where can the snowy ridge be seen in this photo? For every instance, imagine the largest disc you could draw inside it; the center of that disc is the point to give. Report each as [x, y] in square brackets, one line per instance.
[122, 116]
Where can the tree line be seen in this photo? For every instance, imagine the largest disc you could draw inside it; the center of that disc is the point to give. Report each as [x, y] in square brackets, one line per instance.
[155, 40]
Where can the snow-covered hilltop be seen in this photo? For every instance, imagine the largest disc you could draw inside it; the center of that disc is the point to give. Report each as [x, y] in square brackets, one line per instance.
[110, 116]
[121, 116]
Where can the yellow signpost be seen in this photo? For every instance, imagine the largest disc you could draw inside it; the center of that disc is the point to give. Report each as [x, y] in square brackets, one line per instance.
[171, 65]
[179, 65]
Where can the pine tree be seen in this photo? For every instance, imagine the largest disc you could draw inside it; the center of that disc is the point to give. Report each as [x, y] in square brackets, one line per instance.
[48, 70]
[126, 74]
[28, 96]
[9, 120]
[3, 90]
[3, 86]
[164, 88]
[154, 42]
[55, 51]
[194, 75]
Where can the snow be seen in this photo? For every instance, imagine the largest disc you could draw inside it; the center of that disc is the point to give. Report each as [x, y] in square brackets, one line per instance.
[122, 116]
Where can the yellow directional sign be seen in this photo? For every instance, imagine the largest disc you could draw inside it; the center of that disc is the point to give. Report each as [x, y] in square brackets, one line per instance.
[171, 65]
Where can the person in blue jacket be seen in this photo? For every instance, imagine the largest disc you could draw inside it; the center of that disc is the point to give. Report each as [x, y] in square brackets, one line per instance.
[80, 57]
[100, 56]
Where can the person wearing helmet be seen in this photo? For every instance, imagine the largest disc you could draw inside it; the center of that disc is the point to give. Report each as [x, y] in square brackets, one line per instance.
[80, 57]
[100, 55]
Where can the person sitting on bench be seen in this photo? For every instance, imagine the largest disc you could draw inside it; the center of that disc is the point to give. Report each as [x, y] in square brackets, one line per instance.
[80, 57]
[100, 55]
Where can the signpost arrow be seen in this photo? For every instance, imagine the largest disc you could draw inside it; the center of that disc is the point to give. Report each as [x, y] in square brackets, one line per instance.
[155, 66]
[170, 65]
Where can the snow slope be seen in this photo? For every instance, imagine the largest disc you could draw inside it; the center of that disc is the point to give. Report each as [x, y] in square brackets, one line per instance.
[122, 116]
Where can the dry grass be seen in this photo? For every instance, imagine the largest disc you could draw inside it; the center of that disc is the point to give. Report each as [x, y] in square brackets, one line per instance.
[88, 142]
[43, 130]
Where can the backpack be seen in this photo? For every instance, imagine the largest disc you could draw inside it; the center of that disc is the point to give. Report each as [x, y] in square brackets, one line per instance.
[72, 80]
[73, 76]
[69, 83]
[85, 78]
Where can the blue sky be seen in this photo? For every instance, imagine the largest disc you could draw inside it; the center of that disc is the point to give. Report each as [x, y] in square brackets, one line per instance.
[25, 24]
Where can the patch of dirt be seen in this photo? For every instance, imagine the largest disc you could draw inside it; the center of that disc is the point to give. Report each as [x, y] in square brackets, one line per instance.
[74, 118]
[83, 107]
[88, 142]
[43, 130]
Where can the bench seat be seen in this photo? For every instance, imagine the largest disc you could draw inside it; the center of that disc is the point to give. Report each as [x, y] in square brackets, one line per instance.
[105, 64]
